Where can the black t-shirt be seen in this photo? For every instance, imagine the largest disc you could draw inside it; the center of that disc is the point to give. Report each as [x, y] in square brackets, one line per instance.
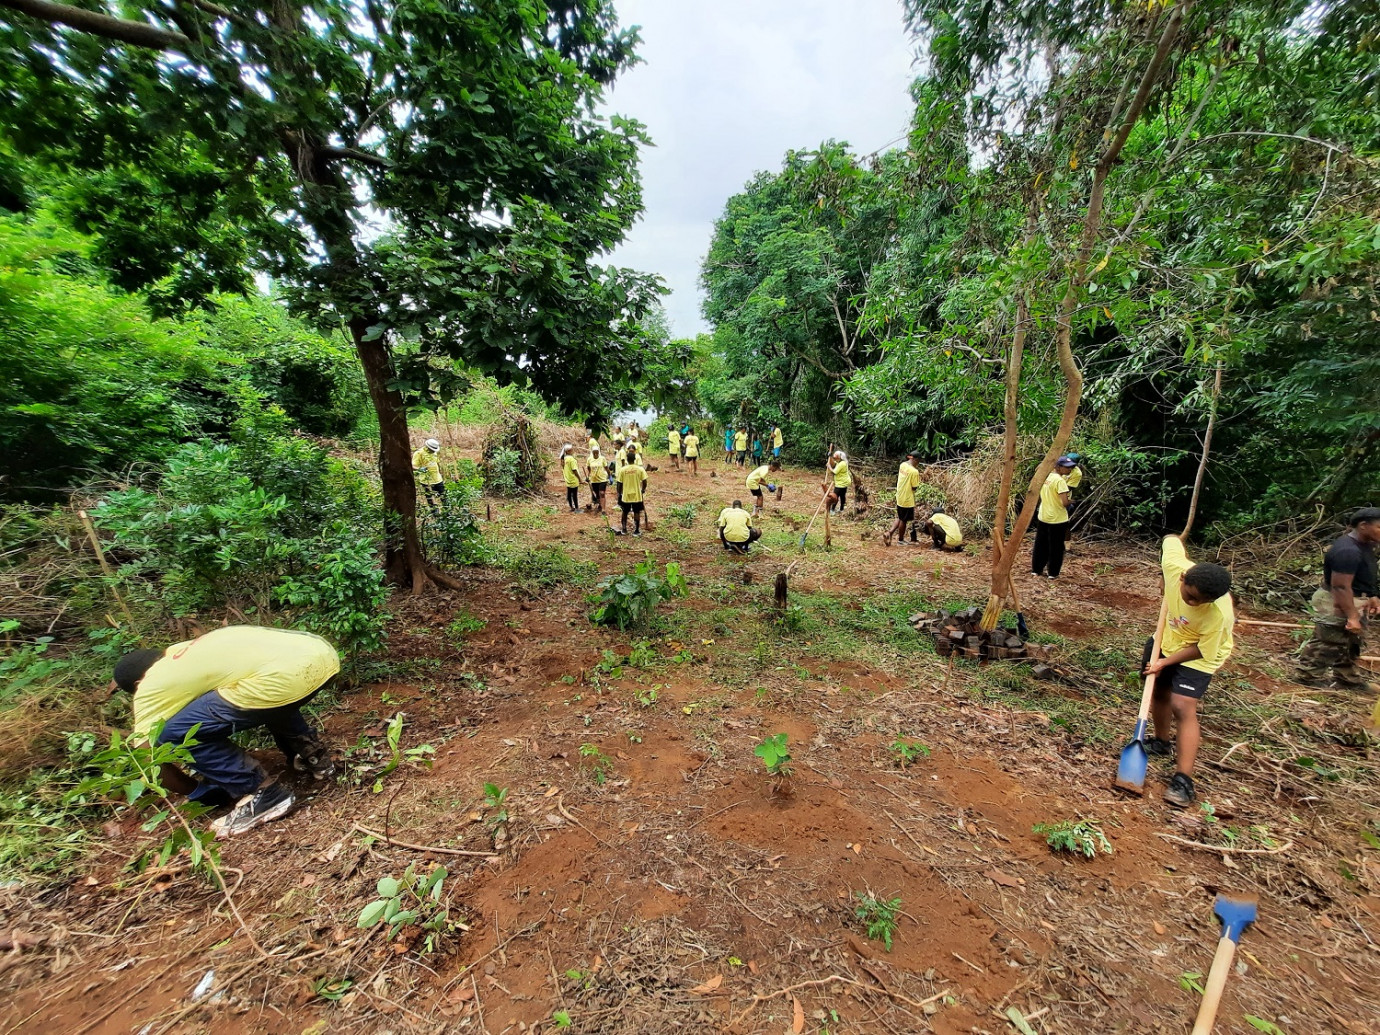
[1349, 556]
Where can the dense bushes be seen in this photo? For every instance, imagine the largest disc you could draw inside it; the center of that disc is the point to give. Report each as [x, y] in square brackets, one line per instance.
[269, 524]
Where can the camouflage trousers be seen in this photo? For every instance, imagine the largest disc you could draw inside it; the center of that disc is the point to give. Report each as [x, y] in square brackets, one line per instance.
[1330, 656]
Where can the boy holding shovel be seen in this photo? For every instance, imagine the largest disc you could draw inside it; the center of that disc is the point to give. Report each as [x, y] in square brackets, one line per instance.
[1197, 641]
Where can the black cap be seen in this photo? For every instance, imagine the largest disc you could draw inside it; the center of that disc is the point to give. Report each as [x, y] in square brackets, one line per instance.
[132, 667]
[1365, 514]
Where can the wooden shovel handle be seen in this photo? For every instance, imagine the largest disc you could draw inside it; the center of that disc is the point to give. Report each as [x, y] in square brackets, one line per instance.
[1212, 991]
[1154, 653]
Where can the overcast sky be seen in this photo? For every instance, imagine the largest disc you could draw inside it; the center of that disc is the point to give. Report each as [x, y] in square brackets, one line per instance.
[726, 87]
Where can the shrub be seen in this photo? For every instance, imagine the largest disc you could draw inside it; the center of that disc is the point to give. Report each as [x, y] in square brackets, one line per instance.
[1075, 836]
[683, 515]
[536, 570]
[878, 916]
[270, 521]
[627, 600]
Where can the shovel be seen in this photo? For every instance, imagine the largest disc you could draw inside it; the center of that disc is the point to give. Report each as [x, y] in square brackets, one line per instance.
[1130, 771]
[1237, 914]
[806, 534]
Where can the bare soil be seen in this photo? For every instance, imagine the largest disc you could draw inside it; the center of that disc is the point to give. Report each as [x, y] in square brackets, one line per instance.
[690, 891]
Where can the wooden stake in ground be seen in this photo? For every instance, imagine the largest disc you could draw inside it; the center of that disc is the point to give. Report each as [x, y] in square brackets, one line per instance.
[105, 565]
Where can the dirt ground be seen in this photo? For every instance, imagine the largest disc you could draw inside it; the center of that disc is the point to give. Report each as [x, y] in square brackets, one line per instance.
[660, 880]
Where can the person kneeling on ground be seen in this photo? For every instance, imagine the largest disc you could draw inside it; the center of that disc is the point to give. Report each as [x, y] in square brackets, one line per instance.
[233, 679]
[735, 528]
[1342, 606]
[1197, 641]
[756, 480]
[632, 477]
[943, 531]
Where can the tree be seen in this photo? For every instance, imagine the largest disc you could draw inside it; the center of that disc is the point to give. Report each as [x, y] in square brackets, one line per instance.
[285, 138]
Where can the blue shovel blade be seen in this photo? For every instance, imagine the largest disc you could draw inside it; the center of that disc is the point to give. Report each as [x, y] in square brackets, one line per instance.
[1130, 770]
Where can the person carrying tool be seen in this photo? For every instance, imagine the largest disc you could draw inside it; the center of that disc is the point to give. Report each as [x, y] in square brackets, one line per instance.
[1342, 607]
[1197, 641]
[598, 477]
[570, 470]
[756, 480]
[740, 446]
[673, 446]
[229, 680]
[735, 528]
[1052, 520]
[838, 468]
[943, 531]
[691, 442]
[907, 481]
[427, 470]
[632, 478]
[777, 441]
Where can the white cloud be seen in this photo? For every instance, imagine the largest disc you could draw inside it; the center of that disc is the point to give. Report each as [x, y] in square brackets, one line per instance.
[726, 88]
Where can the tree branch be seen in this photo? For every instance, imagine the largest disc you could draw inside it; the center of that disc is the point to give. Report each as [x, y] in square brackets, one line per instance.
[352, 153]
[124, 30]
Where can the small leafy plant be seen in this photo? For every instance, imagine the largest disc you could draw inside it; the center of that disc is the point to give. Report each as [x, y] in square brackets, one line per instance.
[629, 599]
[495, 800]
[683, 515]
[775, 756]
[362, 759]
[598, 764]
[412, 900]
[465, 623]
[905, 751]
[878, 916]
[1076, 836]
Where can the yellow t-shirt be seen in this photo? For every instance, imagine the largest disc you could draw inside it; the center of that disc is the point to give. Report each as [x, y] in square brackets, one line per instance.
[740, 441]
[620, 457]
[692, 445]
[633, 479]
[570, 467]
[673, 440]
[593, 442]
[632, 434]
[426, 467]
[953, 535]
[776, 438]
[1074, 477]
[907, 481]
[841, 474]
[1207, 625]
[249, 666]
[1052, 512]
[757, 477]
[736, 522]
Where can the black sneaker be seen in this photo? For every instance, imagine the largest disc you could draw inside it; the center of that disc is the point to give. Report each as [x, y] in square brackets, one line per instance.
[1180, 792]
[263, 806]
[1155, 746]
[314, 759]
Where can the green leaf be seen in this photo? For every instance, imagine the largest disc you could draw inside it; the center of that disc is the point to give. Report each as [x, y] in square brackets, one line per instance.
[388, 887]
[372, 913]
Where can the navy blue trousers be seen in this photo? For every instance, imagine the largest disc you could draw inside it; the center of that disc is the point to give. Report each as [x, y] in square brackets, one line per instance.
[224, 768]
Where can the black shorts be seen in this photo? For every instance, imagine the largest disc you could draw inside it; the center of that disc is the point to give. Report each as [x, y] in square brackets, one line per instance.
[905, 513]
[756, 492]
[596, 489]
[631, 508]
[842, 494]
[1180, 679]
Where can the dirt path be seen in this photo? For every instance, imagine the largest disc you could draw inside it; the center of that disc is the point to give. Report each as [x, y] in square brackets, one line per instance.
[658, 881]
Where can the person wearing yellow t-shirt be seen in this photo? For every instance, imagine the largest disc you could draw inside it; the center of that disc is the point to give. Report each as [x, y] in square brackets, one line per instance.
[232, 679]
[777, 441]
[1197, 641]
[943, 531]
[633, 479]
[756, 480]
[692, 452]
[593, 441]
[907, 481]
[837, 469]
[634, 433]
[427, 470]
[740, 445]
[1052, 520]
[735, 528]
[673, 446]
[598, 477]
[619, 456]
[570, 471]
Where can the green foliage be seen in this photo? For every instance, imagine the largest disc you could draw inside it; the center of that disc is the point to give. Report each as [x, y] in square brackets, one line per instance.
[630, 599]
[536, 570]
[905, 751]
[503, 469]
[412, 900]
[1082, 836]
[878, 916]
[596, 763]
[683, 514]
[495, 798]
[367, 759]
[267, 522]
[775, 755]
[464, 623]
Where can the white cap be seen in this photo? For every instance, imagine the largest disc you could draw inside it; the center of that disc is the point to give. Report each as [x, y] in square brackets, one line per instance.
[433, 445]
[567, 448]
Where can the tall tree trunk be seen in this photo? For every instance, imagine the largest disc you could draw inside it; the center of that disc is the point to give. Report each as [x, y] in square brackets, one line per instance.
[1078, 279]
[1000, 543]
